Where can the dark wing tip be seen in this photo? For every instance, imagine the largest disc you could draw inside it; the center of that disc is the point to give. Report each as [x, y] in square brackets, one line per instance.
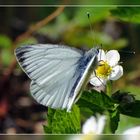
[19, 52]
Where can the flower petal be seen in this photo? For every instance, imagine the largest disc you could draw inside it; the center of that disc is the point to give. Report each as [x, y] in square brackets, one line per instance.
[95, 81]
[117, 72]
[134, 130]
[101, 55]
[90, 126]
[93, 75]
[112, 57]
[101, 124]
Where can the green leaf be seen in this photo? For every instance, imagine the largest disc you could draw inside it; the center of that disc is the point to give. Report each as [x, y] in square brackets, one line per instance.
[123, 98]
[96, 101]
[6, 57]
[114, 120]
[51, 113]
[99, 102]
[131, 109]
[128, 105]
[62, 122]
[5, 41]
[85, 113]
[131, 14]
[47, 129]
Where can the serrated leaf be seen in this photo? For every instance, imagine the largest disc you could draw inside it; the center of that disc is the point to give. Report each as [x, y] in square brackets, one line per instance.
[62, 122]
[131, 14]
[114, 120]
[50, 113]
[99, 103]
[47, 129]
[96, 101]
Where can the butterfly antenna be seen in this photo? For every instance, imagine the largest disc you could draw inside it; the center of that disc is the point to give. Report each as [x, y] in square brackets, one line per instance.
[91, 28]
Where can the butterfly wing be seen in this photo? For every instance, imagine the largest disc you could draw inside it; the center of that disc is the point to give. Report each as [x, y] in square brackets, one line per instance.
[53, 71]
[86, 67]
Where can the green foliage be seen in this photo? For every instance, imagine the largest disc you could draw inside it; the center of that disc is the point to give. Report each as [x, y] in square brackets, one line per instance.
[123, 98]
[133, 89]
[131, 109]
[96, 14]
[76, 31]
[55, 30]
[114, 120]
[62, 122]
[5, 42]
[131, 14]
[5, 45]
[72, 27]
[30, 40]
[120, 103]
[80, 37]
[118, 44]
[99, 102]
[128, 105]
[96, 101]
[6, 56]
[91, 103]
[127, 122]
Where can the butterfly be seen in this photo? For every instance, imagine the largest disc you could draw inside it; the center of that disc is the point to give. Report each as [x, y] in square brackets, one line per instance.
[58, 73]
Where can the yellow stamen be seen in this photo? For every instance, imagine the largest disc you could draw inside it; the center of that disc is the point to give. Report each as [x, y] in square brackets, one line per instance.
[103, 70]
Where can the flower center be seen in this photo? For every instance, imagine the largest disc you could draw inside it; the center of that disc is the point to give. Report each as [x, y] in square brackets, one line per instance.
[103, 70]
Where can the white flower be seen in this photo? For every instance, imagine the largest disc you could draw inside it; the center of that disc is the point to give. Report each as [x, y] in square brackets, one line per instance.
[83, 137]
[108, 68]
[94, 125]
[91, 128]
[131, 131]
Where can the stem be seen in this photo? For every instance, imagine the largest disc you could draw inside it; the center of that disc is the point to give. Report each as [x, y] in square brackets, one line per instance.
[109, 88]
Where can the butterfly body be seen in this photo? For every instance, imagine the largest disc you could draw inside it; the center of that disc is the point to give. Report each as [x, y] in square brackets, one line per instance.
[58, 73]
[87, 66]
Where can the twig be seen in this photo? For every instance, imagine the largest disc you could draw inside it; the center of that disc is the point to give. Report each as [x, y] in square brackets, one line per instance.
[27, 34]
[38, 25]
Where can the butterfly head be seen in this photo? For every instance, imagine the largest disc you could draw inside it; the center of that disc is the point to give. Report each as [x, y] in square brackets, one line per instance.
[94, 52]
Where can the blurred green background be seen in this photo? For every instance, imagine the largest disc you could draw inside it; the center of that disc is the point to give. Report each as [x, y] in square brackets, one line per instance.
[114, 27]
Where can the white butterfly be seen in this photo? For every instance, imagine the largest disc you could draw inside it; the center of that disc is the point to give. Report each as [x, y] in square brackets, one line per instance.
[58, 73]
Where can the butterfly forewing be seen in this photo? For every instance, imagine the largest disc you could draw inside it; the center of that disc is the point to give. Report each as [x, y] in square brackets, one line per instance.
[52, 70]
[55, 72]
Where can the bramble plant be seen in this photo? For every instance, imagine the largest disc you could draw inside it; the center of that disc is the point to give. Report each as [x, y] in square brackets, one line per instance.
[109, 106]
[105, 101]
[94, 102]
